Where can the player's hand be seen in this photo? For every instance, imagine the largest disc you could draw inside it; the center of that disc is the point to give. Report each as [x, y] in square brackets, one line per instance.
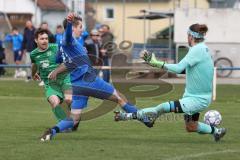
[146, 56]
[36, 77]
[52, 75]
[151, 59]
[70, 17]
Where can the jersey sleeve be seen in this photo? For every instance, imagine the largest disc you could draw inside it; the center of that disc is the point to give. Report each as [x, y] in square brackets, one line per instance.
[194, 56]
[32, 58]
[177, 68]
[68, 38]
[59, 58]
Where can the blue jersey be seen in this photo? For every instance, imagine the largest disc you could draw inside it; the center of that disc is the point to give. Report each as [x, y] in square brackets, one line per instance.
[58, 38]
[83, 37]
[75, 57]
[16, 41]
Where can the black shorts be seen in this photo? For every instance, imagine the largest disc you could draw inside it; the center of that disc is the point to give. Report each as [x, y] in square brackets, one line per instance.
[194, 117]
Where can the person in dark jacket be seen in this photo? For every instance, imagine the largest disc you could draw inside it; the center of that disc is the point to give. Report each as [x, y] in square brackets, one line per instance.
[28, 44]
[2, 58]
[51, 37]
[93, 47]
[106, 40]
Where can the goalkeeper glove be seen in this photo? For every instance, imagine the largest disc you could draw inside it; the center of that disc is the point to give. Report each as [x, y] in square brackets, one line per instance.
[151, 59]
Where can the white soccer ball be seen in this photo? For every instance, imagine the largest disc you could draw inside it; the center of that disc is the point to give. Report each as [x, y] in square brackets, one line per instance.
[212, 118]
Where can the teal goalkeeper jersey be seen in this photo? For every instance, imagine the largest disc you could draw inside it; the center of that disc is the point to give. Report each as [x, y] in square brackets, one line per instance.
[199, 72]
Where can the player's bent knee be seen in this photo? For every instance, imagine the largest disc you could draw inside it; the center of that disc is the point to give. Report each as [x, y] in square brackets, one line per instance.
[76, 111]
[54, 101]
[68, 101]
[192, 127]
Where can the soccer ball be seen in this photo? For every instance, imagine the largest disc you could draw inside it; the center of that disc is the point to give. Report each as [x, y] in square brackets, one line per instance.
[212, 118]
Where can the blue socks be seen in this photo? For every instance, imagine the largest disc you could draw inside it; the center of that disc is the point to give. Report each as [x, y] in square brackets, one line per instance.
[63, 125]
[129, 108]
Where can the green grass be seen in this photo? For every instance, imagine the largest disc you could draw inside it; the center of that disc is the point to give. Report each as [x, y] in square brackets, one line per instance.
[25, 114]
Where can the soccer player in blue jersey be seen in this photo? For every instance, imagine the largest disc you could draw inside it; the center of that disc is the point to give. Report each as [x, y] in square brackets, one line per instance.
[199, 67]
[83, 78]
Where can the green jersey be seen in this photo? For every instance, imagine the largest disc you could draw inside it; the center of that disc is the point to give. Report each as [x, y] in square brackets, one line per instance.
[46, 61]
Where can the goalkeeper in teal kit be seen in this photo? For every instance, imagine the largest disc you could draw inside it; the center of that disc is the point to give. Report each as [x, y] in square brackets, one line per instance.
[199, 68]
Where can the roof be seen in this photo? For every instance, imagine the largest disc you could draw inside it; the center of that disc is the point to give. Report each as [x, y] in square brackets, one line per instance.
[222, 3]
[51, 5]
[127, 1]
[153, 15]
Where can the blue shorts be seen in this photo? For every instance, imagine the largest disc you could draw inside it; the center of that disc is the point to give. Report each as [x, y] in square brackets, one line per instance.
[17, 55]
[82, 89]
[192, 105]
[79, 102]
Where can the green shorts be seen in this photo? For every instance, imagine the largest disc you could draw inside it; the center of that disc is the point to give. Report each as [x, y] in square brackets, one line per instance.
[192, 105]
[57, 87]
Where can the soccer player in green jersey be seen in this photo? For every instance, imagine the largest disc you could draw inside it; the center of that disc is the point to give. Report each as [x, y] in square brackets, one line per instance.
[44, 62]
[198, 66]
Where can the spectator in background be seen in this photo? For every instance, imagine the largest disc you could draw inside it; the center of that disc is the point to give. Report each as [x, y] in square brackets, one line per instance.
[28, 45]
[44, 25]
[2, 58]
[16, 39]
[93, 47]
[59, 34]
[106, 39]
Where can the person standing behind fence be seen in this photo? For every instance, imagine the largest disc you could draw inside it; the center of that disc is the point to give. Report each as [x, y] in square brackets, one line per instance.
[28, 45]
[2, 58]
[106, 39]
[44, 25]
[16, 39]
[59, 34]
[93, 47]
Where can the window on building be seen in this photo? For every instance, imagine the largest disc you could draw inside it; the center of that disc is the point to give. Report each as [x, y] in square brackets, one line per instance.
[109, 13]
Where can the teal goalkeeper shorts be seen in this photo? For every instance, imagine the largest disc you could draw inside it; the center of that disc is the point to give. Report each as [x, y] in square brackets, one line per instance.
[192, 105]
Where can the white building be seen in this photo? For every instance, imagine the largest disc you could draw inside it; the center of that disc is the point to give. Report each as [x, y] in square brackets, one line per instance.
[18, 11]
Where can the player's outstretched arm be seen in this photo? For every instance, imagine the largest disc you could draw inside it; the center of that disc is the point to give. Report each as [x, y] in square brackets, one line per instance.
[34, 72]
[60, 69]
[68, 34]
[151, 59]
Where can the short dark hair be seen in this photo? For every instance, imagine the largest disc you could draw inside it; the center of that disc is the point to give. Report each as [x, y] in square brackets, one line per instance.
[75, 22]
[14, 28]
[105, 25]
[40, 31]
[59, 26]
[199, 28]
[44, 22]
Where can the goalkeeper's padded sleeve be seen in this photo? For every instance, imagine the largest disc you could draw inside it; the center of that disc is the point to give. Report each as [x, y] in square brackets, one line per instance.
[177, 68]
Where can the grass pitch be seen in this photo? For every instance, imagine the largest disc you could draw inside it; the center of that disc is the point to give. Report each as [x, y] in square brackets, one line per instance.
[25, 114]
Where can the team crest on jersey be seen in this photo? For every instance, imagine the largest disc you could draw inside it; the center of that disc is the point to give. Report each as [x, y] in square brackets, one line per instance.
[44, 64]
[49, 53]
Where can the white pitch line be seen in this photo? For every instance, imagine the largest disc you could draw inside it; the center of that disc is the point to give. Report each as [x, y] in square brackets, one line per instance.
[202, 154]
